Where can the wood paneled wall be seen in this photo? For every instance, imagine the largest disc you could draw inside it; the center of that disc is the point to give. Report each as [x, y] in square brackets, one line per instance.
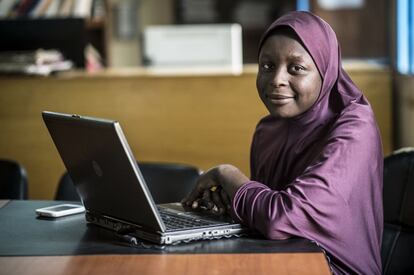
[405, 111]
[362, 32]
[203, 120]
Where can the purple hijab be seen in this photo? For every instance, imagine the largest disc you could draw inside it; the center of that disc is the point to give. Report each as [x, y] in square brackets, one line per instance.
[319, 175]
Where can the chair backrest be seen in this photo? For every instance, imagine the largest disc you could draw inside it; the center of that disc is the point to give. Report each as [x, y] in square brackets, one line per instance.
[66, 190]
[13, 180]
[168, 182]
[397, 249]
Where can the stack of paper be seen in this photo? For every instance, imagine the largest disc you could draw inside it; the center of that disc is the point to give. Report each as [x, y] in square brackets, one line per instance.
[39, 62]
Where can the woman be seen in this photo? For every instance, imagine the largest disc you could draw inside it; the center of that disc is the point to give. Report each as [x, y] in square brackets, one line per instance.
[316, 160]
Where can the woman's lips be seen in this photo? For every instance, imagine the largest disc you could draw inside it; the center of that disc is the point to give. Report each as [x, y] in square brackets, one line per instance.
[280, 99]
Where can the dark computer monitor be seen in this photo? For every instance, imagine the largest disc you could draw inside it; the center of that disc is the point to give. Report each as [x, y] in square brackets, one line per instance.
[65, 34]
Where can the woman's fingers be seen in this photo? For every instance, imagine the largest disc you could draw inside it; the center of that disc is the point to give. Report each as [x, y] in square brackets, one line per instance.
[194, 194]
[207, 203]
[214, 200]
[221, 209]
[195, 204]
[225, 199]
[200, 195]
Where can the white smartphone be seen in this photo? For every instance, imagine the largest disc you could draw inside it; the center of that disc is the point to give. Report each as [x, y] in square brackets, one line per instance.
[60, 210]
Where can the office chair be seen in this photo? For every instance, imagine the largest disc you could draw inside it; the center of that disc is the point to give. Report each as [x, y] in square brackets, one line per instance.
[66, 190]
[398, 238]
[13, 180]
[168, 182]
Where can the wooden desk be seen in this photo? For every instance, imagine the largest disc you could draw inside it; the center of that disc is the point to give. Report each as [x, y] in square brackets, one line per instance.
[202, 120]
[93, 250]
[221, 264]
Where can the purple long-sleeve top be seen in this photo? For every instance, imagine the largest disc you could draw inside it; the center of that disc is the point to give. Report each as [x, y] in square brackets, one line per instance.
[319, 175]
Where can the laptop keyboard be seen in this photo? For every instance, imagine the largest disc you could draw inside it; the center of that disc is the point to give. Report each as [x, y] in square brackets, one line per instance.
[173, 221]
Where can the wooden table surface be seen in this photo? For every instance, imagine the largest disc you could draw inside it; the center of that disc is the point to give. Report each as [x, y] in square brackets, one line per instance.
[240, 264]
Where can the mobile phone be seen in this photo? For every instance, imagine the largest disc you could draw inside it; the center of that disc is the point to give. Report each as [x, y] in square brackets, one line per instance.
[60, 210]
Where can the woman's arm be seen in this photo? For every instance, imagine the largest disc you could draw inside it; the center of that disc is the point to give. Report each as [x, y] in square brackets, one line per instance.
[344, 181]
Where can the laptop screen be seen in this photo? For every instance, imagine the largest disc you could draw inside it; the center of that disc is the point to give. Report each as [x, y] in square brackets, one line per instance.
[103, 168]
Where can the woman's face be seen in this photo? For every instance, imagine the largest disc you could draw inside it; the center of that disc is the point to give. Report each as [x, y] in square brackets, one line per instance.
[288, 81]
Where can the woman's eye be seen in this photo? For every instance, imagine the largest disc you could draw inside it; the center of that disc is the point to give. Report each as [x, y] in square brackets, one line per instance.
[297, 68]
[266, 67]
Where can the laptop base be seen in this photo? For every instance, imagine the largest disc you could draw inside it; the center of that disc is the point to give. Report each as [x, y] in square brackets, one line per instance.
[165, 238]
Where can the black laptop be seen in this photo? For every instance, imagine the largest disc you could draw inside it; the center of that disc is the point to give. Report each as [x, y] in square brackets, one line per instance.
[112, 189]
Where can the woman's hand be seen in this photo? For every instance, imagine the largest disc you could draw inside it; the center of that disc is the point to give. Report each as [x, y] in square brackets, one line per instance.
[215, 189]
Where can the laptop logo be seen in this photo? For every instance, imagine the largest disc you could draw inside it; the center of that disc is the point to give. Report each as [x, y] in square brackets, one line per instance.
[97, 169]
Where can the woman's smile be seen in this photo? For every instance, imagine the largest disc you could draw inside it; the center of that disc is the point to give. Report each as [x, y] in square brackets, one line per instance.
[280, 99]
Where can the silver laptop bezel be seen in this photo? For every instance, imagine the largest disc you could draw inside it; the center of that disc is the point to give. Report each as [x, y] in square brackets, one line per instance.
[138, 174]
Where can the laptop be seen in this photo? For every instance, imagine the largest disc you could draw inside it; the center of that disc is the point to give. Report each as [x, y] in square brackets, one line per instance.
[113, 191]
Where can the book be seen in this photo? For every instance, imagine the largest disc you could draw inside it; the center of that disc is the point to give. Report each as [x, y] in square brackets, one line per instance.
[13, 9]
[66, 8]
[41, 8]
[25, 7]
[53, 8]
[82, 8]
[6, 7]
[98, 9]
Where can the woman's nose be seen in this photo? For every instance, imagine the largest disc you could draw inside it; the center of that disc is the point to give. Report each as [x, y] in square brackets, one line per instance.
[280, 78]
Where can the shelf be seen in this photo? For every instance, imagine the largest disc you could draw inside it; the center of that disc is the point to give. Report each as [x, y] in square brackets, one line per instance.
[70, 35]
